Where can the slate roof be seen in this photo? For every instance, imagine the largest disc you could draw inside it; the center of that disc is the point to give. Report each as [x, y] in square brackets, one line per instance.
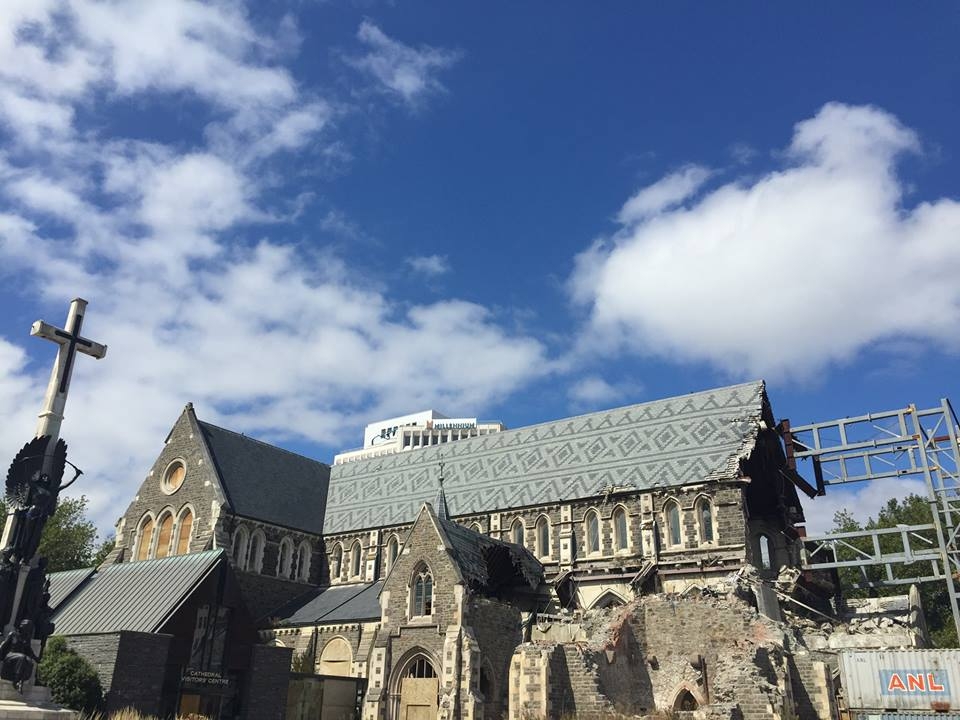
[676, 441]
[337, 603]
[487, 563]
[63, 583]
[268, 483]
[138, 596]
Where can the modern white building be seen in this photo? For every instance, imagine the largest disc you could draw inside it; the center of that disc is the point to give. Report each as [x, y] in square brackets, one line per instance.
[409, 432]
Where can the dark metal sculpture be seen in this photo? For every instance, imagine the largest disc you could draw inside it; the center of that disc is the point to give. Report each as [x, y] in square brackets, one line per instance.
[31, 496]
[17, 657]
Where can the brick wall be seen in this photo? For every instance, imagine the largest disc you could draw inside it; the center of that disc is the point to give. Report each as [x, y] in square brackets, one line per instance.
[267, 682]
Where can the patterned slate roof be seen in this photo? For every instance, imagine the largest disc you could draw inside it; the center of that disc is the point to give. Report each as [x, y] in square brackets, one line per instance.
[338, 603]
[676, 441]
[135, 596]
[268, 483]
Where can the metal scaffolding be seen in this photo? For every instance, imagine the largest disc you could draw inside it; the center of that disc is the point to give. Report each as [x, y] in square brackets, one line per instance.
[905, 443]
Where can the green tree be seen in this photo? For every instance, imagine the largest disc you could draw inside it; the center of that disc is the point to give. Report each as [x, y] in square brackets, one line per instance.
[911, 510]
[72, 680]
[69, 539]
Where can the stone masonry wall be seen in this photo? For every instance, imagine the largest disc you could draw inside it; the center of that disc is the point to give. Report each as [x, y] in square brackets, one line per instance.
[691, 562]
[719, 649]
[100, 651]
[200, 490]
[496, 627]
[137, 682]
[267, 682]
[127, 664]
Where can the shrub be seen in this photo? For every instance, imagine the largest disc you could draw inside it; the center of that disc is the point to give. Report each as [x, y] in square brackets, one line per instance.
[71, 679]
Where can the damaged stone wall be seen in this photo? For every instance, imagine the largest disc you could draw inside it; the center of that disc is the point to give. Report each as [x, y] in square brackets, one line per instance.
[646, 656]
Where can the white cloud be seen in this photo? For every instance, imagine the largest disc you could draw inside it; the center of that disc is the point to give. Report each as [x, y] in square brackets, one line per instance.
[403, 71]
[666, 193]
[720, 280]
[593, 390]
[277, 340]
[430, 265]
[863, 501]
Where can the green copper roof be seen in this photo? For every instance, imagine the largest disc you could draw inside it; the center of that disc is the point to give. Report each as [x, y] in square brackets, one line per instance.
[138, 596]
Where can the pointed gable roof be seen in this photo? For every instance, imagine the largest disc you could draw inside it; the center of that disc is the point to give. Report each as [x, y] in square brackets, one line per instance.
[264, 482]
[484, 563]
[681, 440]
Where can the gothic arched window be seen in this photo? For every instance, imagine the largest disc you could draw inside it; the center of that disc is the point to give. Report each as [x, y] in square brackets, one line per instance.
[393, 550]
[255, 556]
[303, 561]
[705, 519]
[164, 535]
[516, 532]
[671, 512]
[543, 536]
[285, 558]
[241, 542]
[621, 538]
[184, 530]
[422, 593]
[591, 529]
[144, 538]
[336, 562]
[766, 552]
[356, 559]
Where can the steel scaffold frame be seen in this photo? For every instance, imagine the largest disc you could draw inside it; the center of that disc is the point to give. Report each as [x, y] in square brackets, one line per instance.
[904, 443]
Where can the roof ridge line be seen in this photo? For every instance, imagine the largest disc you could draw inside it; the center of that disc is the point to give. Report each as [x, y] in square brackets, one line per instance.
[262, 442]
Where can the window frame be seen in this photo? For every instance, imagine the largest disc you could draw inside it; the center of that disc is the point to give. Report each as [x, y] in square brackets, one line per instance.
[592, 537]
[517, 526]
[671, 509]
[356, 560]
[165, 485]
[543, 544]
[165, 515]
[704, 508]
[421, 593]
[241, 531]
[621, 536]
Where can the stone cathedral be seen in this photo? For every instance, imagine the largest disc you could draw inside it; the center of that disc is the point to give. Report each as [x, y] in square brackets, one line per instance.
[625, 560]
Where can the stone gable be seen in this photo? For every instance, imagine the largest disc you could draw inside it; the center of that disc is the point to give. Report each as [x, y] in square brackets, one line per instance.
[200, 491]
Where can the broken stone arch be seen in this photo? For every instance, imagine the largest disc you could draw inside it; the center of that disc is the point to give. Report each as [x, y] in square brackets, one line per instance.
[687, 697]
[608, 599]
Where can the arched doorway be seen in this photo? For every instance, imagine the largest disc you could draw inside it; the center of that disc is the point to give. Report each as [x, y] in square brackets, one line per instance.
[685, 701]
[415, 688]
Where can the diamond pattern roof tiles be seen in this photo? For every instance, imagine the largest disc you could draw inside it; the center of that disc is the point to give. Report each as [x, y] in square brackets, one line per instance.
[676, 441]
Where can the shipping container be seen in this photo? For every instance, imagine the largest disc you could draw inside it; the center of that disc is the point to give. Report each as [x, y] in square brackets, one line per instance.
[920, 680]
[905, 716]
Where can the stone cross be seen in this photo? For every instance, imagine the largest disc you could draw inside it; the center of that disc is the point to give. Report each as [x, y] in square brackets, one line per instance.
[70, 341]
[51, 415]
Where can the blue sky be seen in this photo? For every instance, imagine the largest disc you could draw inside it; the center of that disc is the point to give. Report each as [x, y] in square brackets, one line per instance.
[304, 217]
